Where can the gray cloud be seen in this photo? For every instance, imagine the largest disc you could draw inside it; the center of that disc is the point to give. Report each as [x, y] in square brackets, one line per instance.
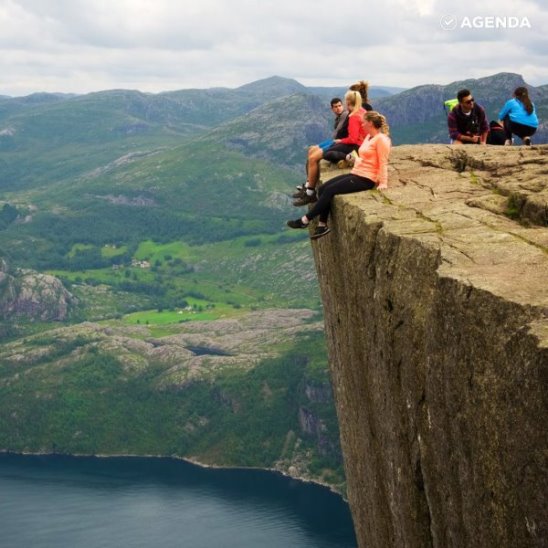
[155, 45]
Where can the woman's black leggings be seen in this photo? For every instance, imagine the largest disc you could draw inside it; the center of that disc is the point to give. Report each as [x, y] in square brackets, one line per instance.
[338, 152]
[343, 184]
[521, 130]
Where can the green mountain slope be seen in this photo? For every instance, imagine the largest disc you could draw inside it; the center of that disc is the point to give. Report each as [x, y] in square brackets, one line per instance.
[279, 131]
[251, 391]
[167, 234]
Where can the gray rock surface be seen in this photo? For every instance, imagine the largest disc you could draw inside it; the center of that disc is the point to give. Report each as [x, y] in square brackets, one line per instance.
[436, 305]
[32, 295]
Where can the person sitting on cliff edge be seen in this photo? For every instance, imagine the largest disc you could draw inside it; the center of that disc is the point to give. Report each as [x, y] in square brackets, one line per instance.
[467, 122]
[340, 124]
[340, 131]
[342, 159]
[345, 146]
[370, 171]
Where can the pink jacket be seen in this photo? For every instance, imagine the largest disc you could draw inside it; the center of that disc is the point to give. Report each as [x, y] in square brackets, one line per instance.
[373, 159]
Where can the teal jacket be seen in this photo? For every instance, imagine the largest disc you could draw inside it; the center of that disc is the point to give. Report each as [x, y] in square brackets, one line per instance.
[516, 110]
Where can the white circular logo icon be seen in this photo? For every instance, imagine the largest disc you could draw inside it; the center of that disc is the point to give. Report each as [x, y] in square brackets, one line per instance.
[448, 22]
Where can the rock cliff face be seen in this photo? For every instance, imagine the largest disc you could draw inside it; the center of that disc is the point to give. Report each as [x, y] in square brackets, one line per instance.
[31, 295]
[318, 396]
[436, 307]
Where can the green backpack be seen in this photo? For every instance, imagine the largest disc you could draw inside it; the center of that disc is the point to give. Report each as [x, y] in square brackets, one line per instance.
[449, 104]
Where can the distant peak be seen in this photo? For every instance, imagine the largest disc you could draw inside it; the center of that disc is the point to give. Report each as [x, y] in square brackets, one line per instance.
[273, 83]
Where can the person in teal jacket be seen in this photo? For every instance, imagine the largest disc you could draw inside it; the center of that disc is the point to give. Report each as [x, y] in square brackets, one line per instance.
[519, 117]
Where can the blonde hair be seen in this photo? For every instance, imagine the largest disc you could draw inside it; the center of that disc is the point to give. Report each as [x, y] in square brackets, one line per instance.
[363, 87]
[378, 120]
[355, 100]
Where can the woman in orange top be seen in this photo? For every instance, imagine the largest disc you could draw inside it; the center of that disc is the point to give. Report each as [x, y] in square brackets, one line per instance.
[370, 171]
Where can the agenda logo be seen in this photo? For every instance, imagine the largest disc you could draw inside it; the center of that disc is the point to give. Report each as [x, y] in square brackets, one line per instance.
[451, 22]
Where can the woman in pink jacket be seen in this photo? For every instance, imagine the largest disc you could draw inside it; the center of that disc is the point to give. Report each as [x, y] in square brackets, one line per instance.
[370, 171]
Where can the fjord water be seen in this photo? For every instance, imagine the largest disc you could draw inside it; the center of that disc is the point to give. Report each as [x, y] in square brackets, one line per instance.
[58, 501]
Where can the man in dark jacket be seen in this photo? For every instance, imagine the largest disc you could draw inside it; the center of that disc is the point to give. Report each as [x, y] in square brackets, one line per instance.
[467, 122]
[340, 125]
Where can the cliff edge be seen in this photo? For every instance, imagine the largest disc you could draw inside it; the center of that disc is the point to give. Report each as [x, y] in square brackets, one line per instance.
[436, 312]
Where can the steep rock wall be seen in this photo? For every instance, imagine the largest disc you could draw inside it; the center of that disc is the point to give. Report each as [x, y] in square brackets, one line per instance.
[436, 309]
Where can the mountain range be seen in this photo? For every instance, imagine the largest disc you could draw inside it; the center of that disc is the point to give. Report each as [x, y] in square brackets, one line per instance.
[418, 116]
[130, 223]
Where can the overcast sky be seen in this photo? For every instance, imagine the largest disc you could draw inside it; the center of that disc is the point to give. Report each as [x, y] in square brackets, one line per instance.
[156, 45]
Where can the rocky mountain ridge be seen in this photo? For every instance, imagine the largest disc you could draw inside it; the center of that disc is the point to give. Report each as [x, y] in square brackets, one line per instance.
[30, 295]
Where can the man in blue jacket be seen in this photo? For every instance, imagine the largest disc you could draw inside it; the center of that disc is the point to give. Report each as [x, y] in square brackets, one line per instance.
[467, 122]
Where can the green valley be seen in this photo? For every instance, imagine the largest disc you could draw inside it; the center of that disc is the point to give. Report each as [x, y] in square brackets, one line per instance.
[152, 302]
[151, 299]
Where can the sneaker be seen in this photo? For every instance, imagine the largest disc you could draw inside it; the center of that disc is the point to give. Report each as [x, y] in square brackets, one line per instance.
[527, 141]
[306, 199]
[319, 232]
[297, 223]
[351, 158]
[300, 192]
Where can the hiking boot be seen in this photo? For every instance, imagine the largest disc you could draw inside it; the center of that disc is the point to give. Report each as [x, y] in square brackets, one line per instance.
[306, 199]
[527, 141]
[297, 223]
[301, 191]
[319, 232]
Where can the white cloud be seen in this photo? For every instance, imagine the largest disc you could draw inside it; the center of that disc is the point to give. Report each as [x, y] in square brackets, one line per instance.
[155, 45]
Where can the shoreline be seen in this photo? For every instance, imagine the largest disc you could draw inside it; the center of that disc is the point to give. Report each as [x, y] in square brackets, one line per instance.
[188, 460]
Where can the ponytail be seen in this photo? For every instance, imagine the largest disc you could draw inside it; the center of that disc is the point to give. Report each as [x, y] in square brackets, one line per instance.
[362, 87]
[355, 100]
[522, 95]
[379, 121]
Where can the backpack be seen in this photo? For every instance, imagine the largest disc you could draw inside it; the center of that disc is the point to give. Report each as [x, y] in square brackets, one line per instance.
[449, 104]
[496, 134]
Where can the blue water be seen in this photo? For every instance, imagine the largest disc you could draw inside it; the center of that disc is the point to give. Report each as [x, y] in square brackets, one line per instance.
[57, 502]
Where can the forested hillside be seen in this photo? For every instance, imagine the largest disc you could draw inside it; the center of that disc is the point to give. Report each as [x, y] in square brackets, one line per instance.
[128, 220]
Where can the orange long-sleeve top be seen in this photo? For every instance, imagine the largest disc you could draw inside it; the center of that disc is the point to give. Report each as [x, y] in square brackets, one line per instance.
[372, 161]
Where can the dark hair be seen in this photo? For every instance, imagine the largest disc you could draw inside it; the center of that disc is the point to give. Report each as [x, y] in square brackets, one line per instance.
[462, 94]
[522, 95]
[334, 101]
[362, 86]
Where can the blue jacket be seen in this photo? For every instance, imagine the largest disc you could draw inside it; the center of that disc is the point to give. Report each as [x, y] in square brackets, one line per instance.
[516, 110]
